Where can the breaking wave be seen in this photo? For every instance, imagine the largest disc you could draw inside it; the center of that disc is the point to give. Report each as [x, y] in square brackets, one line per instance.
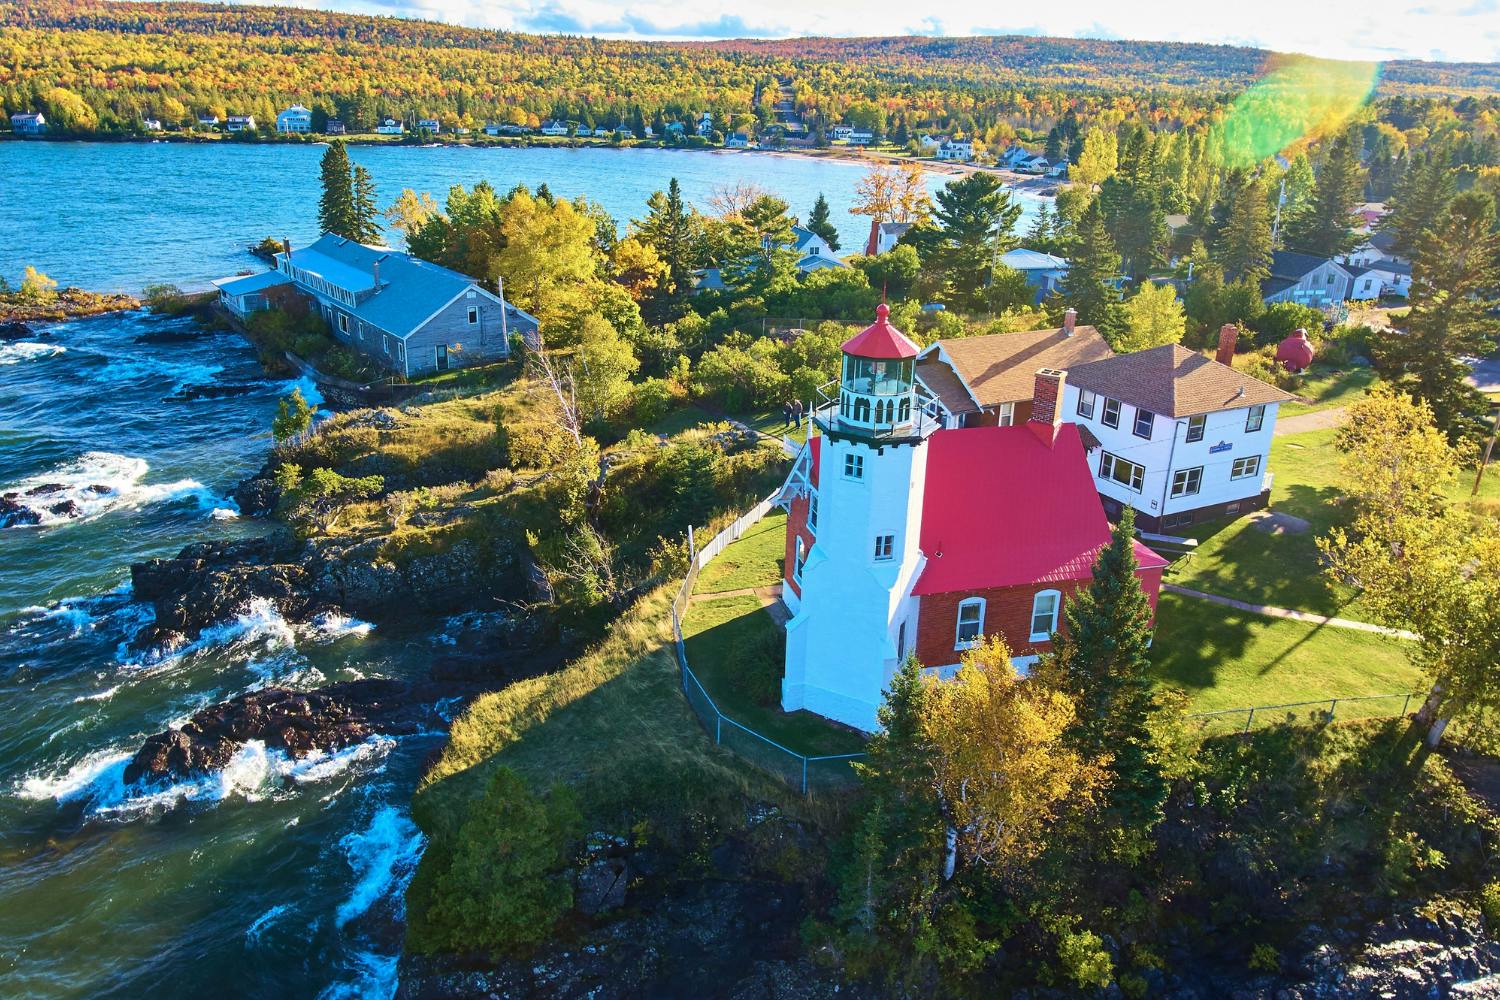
[96, 483]
[26, 350]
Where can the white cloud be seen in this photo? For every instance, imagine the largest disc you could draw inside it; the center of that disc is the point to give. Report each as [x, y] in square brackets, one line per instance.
[1450, 30]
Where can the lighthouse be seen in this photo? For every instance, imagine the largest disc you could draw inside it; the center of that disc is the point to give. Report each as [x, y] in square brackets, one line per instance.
[857, 554]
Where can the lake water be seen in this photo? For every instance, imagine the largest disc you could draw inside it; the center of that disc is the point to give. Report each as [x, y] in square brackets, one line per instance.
[274, 878]
[109, 217]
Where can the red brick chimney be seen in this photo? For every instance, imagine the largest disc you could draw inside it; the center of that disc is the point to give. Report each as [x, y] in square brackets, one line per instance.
[1070, 320]
[1046, 403]
[1228, 334]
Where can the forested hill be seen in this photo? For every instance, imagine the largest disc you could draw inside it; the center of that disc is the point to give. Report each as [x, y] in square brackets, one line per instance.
[126, 59]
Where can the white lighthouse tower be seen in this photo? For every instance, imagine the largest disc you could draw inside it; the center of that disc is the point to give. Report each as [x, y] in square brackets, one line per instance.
[856, 619]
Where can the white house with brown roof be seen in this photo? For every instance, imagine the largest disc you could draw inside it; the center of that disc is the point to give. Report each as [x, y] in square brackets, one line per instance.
[978, 381]
[1181, 437]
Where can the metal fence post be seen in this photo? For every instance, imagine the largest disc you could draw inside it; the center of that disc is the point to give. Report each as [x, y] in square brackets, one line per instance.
[718, 727]
[1405, 705]
[804, 775]
[1249, 719]
[1333, 707]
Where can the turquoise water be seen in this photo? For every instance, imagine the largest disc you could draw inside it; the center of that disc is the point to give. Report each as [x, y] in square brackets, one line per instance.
[119, 216]
[274, 878]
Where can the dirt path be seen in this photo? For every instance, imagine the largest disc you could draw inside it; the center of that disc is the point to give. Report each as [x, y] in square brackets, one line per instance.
[1274, 612]
[1317, 420]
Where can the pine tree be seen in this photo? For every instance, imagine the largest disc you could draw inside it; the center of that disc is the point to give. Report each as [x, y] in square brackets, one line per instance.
[1102, 657]
[1041, 237]
[1420, 199]
[1094, 266]
[1455, 288]
[1243, 244]
[976, 216]
[336, 207]
[673, 230]
[366, 211]
[1324, 226]
[819, 223]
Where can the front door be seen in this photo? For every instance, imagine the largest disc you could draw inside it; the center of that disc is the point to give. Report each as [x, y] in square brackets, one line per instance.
[442, 357]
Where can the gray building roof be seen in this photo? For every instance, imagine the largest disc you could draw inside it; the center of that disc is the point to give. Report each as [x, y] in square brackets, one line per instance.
[411, 289]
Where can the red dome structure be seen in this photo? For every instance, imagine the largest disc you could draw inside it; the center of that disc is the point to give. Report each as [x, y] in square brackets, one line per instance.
[1295, 352]
[880, 341]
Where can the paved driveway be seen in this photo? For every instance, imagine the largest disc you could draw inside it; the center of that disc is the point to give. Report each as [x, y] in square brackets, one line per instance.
[1486, 374]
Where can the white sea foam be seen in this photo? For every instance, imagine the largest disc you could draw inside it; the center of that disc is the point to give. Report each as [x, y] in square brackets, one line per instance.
[100, 772]
[224, 513]
[332, 625]
[26, 350]
[258, 623]
[383, 857]
[98, 482]
[104, 695]
[253, 932]
[309, 390]
[374, 978]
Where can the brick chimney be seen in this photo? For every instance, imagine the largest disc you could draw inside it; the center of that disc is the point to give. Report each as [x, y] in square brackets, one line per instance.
[1046, 402]
[1228, 334]
[1070, 320]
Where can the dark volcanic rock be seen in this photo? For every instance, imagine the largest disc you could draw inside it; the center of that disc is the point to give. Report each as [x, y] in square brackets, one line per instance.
[257, 496]
[211, 582]
[20, 331]
[68, 508]
[189, 393]
[13, 514]
[327, 719]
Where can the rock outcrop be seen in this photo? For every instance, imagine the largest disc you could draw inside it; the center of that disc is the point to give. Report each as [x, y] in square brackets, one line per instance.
[326, 719]
[17, 330]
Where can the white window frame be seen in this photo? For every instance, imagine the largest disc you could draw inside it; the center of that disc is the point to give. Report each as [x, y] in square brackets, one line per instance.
[959, 642]
[473, 315]
[1086, 401]
[1056, 596]
[885, 547]
[1248, 467]
[1195, 428]
[1255, 416]
[1007, 414]
[1107, 463]
[1104, 417]
[344, 323]
[1150, 419]
[812, 512]
[799, 556]
[1182, 478]
[854, 466]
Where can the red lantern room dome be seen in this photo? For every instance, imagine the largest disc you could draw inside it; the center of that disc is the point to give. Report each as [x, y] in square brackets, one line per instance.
[880, 341]
[1295, 352]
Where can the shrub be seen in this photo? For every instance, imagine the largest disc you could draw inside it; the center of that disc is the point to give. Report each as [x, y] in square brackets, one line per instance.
[651, 400]
[164, 298]
[293, 417]
[500, 884]
[1084, 959]
[1489, 905]
[1264, 958]
[1280, 319]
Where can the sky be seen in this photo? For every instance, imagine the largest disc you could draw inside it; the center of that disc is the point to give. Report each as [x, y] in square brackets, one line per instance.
[1445, 30]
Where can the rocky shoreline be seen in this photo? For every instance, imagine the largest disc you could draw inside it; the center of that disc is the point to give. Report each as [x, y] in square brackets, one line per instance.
[18, 315]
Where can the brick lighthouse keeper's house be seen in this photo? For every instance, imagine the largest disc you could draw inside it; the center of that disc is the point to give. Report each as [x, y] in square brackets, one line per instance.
[906, 537]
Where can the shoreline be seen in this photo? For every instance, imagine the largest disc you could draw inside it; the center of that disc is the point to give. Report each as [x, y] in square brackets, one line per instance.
[1030, 184]
[18, 319]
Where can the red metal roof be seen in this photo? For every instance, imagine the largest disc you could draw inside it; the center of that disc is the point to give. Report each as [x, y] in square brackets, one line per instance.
[815, 448]
[880, 340]
[1002, 509]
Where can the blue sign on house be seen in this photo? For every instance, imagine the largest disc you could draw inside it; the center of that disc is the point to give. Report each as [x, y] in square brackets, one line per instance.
[1221, 446]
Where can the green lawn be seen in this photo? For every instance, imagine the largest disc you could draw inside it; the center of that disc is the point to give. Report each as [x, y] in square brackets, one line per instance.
[737, 651]
[1237, 559]
[1326, 387]
[755, 560]
[1224, 658]
[772, 422]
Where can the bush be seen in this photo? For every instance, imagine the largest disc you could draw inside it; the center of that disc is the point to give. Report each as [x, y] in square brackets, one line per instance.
[1281, 319]
[1083, 958]
[1264, 958]
[499, 883]
[1489, 905]
[652, 399]
[164, 298]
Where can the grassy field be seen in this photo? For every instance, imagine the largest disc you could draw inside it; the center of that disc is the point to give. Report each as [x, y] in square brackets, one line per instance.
[1238, 558]
[755, 560]
[1328, 387]
[737, 651]
[1224, 658]
[773, 423]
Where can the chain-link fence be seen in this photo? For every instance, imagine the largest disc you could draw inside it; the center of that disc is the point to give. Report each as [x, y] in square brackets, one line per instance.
[1244, 720]
[801, 771]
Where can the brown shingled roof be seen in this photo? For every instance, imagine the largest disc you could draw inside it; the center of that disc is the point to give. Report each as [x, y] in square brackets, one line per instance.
[943, 383]
[1001, 367]
[1174, 382]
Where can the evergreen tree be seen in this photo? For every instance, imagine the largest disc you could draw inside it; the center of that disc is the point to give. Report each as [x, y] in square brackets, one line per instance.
[1131, 200]
[819, 223]
[1455, 288]
[1093, 268]
[1041, 237]
[1419, 201]
[1324, 226]
[1243, 244]
[975, 216]
[1102, 658]
[366, 211]
[673, 230]
[336, 212]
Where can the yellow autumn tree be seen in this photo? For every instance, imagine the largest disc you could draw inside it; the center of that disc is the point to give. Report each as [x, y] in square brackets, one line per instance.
[549, 262]
[1002, 769]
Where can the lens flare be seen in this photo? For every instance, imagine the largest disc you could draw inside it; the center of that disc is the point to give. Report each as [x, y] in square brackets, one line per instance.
[1298, 98]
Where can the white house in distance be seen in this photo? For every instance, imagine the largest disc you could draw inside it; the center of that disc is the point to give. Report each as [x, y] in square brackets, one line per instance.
[1181, 437]
[294, 119]
[432, 125]
[904, 537]
[390, 126]
[956, 149]
[884, 236]
[239, 123]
